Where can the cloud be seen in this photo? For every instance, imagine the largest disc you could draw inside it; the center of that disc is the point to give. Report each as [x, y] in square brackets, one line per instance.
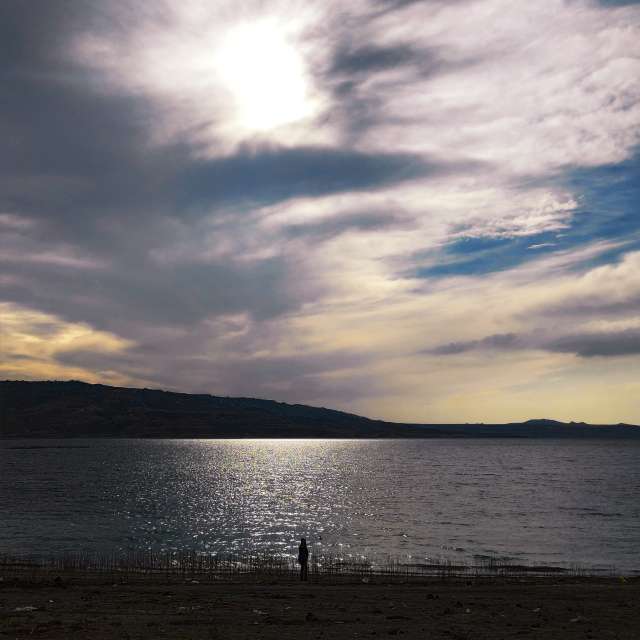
[589, 345]
[618, 3]
[142, 294]
[326, 202]
[603, 291]
[12, 222]
[595, 314]
[270, 174]
[367, 59]
[330, 227]
[31, 342]
[497, 341]
[586, 345]
[310, 376]
[530, 108]
[601, 306]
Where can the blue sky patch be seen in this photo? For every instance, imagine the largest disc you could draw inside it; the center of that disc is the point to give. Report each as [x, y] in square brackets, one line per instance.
[477, 256]
[609, 209]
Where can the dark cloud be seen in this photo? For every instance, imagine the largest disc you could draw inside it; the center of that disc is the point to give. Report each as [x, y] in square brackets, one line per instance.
[30, 38]
[392, 5]
[589, 345]
[132, 294]
[355, 59]
[370, 58]
[584, 307]
[359, 109]
[73, 155]
[71, 148]
[331, 227]
[357, 62]
[497, 341]
[617, 3]
[586, 345]
[16, 357]
[270, 174]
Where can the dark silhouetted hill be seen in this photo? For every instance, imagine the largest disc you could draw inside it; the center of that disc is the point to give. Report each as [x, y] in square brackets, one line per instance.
[78, 409]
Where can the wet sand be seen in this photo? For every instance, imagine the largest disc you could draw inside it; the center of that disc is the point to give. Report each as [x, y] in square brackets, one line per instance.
[96, 607]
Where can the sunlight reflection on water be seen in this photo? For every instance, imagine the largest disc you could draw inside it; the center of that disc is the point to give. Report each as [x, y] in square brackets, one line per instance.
[545, 501]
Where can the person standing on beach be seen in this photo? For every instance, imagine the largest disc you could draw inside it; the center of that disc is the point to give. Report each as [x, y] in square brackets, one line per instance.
[303, 559]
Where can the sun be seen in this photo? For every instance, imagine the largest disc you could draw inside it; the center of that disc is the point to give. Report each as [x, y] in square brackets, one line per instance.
[265, 76]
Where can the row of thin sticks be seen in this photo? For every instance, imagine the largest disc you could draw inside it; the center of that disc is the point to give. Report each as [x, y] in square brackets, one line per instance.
[192, 564]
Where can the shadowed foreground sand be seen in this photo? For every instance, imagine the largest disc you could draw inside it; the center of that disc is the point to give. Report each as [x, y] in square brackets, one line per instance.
[96, 607]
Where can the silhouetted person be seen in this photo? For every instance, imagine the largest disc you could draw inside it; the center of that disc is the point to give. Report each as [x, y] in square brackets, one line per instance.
[303, 559]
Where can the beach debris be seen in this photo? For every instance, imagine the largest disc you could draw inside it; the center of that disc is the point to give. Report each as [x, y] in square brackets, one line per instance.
[28, 608]
[195, 607]
[195, 582]
[537, 610]
[467, 610]
[578, 619]
[259, 612]
[365, 580]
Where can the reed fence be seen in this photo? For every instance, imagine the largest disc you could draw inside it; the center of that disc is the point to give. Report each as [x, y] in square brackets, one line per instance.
[197, 566]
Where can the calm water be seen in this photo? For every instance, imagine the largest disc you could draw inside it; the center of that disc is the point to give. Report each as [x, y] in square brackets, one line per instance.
[558, 502]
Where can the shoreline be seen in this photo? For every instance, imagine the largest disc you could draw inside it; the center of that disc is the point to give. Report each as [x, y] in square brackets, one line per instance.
[76, 604]
[208, 567]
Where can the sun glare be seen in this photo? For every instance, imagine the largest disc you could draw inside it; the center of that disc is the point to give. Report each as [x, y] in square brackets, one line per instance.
[265, 76]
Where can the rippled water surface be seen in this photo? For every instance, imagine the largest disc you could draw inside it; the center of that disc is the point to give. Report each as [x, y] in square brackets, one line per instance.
[558, 502]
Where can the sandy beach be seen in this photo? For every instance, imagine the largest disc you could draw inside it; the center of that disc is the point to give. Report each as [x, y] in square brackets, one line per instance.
[97, 607]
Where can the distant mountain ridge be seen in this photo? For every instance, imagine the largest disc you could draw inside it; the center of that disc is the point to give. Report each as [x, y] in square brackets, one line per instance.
[56, 409]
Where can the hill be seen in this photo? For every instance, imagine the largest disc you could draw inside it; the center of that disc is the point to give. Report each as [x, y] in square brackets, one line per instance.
[78, 409]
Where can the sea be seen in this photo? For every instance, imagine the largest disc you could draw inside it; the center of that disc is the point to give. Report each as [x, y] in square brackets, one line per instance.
[559, 503]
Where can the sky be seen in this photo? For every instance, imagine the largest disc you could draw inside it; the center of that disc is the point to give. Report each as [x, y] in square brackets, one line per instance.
[416, 210]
